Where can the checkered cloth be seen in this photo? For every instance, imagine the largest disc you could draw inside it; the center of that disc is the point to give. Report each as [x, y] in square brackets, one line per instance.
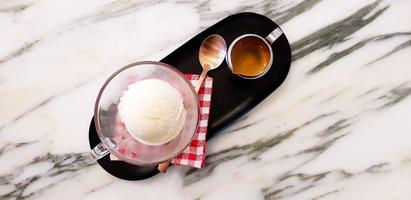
[194, 154]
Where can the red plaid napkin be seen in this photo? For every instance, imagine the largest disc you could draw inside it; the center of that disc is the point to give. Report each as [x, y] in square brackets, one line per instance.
[194, 154]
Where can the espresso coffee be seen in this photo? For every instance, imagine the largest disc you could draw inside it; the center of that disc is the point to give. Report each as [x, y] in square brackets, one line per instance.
[250, 56]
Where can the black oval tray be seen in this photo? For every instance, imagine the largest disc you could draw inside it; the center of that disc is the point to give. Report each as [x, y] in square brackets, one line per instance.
[232, 96]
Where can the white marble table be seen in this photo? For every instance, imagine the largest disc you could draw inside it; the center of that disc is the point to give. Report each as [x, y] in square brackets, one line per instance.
[338, 128]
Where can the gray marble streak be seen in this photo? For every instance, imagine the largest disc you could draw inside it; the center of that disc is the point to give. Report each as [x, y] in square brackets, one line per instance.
[335, 33]
[402, 46]
[284, 16]
[64, 165]
[341, 54]
[15, 9]
[117, 9]
[326, 194]
[20, 51]
[11, 146]
[307, 181]
[395, 95]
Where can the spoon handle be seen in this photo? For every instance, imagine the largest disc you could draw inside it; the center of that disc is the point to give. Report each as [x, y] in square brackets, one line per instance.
[162, 167]
[200, 80]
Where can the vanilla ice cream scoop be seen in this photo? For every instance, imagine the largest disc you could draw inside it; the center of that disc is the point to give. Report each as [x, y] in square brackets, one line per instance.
[152, 111]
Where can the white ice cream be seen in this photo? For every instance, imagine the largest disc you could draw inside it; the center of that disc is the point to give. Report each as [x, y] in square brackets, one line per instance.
[152, 111]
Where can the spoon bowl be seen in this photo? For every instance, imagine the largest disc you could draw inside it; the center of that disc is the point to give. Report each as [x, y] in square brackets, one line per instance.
[212, 52]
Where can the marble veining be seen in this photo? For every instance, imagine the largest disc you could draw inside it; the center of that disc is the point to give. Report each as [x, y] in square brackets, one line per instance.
[338, 128]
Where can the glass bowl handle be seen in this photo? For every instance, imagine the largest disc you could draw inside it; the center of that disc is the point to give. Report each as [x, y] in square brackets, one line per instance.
[102, 149]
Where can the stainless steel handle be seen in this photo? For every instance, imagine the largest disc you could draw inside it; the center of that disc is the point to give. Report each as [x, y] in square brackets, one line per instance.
[274, 35]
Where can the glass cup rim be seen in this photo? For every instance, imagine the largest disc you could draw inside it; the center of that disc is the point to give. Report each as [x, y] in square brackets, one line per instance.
[112, 76]
[229, 51]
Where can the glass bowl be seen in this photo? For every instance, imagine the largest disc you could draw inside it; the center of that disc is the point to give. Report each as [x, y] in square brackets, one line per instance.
[111, 130]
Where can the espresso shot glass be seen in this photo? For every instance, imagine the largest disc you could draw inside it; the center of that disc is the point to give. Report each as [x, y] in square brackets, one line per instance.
[250, 56]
